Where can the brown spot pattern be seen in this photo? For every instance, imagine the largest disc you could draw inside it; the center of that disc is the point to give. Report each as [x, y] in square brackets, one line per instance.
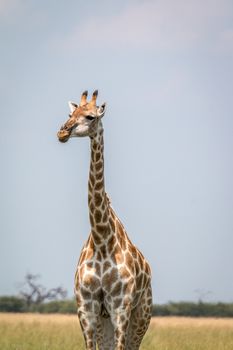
[99, 185]
[98, 216]
[97, 156]
[99, 166]
[106, 266]
[103, 230]
[110, 278]
[117, 289]
[97, 199]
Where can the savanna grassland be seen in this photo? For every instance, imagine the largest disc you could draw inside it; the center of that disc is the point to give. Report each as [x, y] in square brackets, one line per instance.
[57, 332]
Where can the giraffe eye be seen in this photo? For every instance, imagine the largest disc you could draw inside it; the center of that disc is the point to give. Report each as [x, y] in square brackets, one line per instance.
[89, 117]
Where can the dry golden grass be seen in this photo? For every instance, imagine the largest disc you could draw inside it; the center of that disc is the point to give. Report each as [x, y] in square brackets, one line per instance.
[57, 332]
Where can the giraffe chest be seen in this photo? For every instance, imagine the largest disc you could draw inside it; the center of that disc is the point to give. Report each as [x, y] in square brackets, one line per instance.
[100, 284]
[99, 273]
[109, 280]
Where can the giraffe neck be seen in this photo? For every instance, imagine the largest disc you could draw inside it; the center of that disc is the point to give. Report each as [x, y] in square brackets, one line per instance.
[97, 198]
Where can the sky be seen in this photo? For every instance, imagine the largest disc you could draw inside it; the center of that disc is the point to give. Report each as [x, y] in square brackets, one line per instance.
[165, 69]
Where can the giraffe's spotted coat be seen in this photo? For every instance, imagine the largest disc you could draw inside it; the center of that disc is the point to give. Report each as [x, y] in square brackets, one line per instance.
[113, 279]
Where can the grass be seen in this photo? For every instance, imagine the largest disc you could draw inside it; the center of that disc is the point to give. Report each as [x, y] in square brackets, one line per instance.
[57, 332]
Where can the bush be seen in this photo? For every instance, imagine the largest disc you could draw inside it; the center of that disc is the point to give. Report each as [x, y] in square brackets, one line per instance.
[54, 307]
[12, 304]
[190, 309]
[16, 304]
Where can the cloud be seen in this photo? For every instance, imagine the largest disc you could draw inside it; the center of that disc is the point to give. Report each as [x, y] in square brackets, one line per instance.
[158, 25]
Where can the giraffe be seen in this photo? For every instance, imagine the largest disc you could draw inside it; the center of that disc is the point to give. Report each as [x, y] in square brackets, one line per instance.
[113, 279]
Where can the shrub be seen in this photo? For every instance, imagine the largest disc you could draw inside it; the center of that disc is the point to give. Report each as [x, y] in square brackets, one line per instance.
[12, 304]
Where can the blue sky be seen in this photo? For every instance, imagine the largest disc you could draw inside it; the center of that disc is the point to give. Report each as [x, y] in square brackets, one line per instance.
[165, 69]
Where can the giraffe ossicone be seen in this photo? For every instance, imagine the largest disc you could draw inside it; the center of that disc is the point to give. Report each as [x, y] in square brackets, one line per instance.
[113, 279]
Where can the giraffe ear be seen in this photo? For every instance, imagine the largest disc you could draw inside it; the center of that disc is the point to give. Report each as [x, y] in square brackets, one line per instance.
[72, 106]
[101, 110]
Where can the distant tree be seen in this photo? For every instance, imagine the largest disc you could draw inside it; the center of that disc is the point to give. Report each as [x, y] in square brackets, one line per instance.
[34, 293]
[202, 294]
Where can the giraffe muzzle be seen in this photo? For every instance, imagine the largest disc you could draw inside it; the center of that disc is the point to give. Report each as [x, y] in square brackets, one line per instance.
[63, 135]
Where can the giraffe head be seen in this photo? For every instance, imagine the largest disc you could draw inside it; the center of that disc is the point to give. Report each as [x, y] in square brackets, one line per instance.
[83, 118]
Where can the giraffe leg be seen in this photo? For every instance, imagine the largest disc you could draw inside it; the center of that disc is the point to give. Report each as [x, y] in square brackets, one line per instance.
[120, 320]
[105, 334]
[139, 321]
[88, 322]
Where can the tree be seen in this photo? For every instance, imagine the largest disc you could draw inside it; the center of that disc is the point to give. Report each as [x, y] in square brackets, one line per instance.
[34, 293]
